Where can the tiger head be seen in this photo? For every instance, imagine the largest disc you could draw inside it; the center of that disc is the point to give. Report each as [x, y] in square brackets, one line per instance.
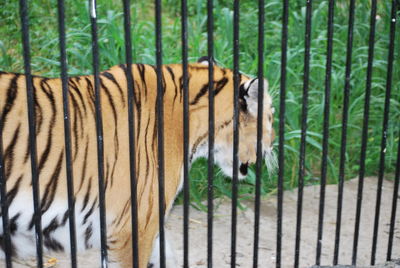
[248, 111]
[248, 107]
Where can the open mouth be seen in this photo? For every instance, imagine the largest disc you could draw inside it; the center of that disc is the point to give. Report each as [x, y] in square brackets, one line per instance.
[243, 169]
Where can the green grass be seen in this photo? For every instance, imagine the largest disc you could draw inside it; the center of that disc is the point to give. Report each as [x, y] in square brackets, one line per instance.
[45, 56]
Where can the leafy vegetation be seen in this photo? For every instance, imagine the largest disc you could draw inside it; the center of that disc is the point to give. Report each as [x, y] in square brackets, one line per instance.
[45, 56]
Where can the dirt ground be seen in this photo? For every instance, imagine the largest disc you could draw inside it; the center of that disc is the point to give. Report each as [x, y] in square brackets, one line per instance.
[267, 252]
[222, 225]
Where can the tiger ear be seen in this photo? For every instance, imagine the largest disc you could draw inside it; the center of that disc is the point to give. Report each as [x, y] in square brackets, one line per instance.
[204, 60]
[248, 93]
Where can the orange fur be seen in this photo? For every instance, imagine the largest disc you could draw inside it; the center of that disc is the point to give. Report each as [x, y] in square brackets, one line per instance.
[50, 142]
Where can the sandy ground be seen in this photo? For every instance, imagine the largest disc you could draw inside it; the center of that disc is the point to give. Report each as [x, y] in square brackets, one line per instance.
[267, 251]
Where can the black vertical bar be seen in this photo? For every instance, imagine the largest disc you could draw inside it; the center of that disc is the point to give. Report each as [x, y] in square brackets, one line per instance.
[235, 129]
[328, 72]
[344, 131]
[260, 76]
[99, 132]
[32, 131]
[394, 206]
[4, 204]
[186, 185]
[364, 138]
[384, 129]
[160, 132]
[303, 130]
[6, 243]
[281, 146]
[210, 166]
[131, 124]
[67, 132]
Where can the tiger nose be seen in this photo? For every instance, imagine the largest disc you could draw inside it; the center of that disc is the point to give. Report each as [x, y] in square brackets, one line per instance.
[243, 168]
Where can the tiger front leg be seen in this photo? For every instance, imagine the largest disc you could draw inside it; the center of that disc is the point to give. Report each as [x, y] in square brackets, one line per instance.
[170, 258]
[123, 254]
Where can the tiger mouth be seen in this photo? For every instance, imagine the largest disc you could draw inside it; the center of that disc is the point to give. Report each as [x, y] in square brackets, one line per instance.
[244, 168]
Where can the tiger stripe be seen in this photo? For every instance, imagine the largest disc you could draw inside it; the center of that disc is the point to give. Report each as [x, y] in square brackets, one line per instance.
[51, 152]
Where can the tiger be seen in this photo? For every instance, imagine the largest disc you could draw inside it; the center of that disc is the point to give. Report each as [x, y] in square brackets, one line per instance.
[113, 87]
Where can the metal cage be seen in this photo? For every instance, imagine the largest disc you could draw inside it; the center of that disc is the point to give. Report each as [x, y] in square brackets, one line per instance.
[281, 148]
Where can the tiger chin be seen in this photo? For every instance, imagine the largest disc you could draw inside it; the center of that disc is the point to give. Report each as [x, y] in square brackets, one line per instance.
[113, 87]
